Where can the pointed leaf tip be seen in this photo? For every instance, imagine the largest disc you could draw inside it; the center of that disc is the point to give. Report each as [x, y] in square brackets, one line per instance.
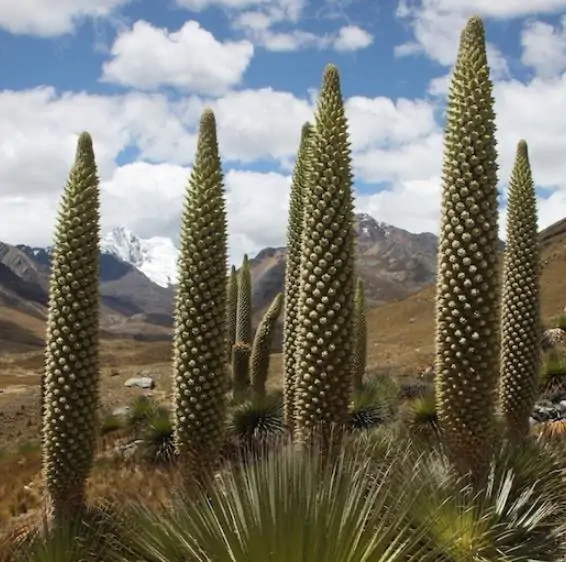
[474, 27]
[331, 75]
[522, 147]
[84, 143]
[207, 117]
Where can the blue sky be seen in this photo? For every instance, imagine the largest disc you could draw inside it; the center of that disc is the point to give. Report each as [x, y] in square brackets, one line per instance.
[137, 74]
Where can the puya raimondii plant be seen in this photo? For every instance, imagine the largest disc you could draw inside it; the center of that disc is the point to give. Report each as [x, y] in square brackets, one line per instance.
[199, 341]
[520, 315]
[261, 350]
[327, 276]
[359, 358]
[242, 348]
[292, 274]
[71, 378]
[467, 295]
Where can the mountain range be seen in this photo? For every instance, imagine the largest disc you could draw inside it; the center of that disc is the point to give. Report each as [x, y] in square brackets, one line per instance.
[137, 276]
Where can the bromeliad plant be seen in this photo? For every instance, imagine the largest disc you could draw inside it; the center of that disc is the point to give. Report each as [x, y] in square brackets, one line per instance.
[467, 290]
[71, 378]
[199, 342]
[327, 276]
[521, 322]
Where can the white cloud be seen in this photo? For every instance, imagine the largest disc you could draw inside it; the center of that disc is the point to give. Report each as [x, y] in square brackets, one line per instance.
[191, 59]
[437, 24]
[49, 18]
[544, 47]
[395, 141]
[352, 38]
[257, 204]
[413, 205]
[254, 124]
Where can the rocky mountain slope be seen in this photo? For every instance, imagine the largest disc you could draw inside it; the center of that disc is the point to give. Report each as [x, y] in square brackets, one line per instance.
[393, 263]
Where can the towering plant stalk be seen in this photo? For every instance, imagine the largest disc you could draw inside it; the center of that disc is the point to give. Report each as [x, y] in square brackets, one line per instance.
[521, 323]
[231, 311]
[292, 273]
[360, 338]
[467, 297]
[71, 378]
[199, 342]
[244, 308]
[262, 346]
[326, 292]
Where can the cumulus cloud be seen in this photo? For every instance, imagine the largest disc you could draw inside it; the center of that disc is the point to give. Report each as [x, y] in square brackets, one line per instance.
[436, 25]
[191, 59]
[544, 47]
[352, 38]
[395, 142]
[53, 17]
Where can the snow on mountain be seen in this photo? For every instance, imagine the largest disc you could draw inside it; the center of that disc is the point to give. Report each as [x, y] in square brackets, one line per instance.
[155, 257]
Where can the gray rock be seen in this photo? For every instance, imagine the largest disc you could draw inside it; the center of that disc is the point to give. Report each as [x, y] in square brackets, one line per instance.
[140, 382]
[121, 412]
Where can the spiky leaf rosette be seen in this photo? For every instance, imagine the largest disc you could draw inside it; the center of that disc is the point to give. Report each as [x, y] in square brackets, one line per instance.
[467, 293]
[231, 312]
[292, 274]
[71, 353]
[241, 353]
[261, 350]
[360, 337]
[326, 294]
[520, 319]
[200, 309]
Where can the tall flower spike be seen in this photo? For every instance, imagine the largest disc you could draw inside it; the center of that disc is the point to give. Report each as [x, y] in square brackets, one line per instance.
[199, 342]
[244, 308]
[292, 274]
[521, 322]
[468, 286]
[326, 294]
[71, 378]
[231, 312]
[360, 338]
[261, 350]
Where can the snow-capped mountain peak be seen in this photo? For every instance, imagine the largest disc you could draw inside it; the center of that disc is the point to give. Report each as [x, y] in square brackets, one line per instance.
[155, 257]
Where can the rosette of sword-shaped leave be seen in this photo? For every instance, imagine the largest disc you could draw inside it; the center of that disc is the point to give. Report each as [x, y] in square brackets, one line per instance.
[244, 308]
[261, 349]
[468, 286]
[359, 358]
[292, 272]
[199, 341]
[241, 353]
[520, 319]
[326, 291]
[71, 378]
[231, 311]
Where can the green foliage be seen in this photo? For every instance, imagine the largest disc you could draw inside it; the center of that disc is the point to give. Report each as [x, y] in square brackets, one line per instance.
[360, 337]
[326, 293]
[553, 376]
[257, 421]
[231, 312]
[292, 273]
[86, 537]
[158, 447]
[199, 341]
[261, 350]
[521, 322]
[289, 506]
[71, 393]
[244, 309]
[467, 297]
